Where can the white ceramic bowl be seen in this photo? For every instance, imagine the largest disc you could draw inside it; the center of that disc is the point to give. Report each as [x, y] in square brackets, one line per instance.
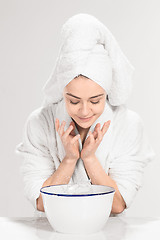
[78, 208]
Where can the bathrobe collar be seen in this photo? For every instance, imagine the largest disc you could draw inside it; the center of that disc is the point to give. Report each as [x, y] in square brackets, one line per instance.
[102, 152]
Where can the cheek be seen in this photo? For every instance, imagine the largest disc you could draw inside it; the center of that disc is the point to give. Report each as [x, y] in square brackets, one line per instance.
[99, 108]
[70, 109]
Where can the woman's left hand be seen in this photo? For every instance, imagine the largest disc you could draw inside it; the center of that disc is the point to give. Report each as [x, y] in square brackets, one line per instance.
[94, 139]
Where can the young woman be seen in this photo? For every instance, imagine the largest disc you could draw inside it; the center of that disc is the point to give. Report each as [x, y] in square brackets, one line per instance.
[84, 132]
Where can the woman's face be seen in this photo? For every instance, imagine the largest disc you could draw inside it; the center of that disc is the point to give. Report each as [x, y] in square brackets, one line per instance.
[82, 102]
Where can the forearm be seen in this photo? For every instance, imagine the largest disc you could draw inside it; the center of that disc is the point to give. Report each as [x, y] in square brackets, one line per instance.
[62, 175]
[98, 176]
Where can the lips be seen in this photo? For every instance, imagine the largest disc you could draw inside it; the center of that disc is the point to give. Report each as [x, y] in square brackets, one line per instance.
[85, 119]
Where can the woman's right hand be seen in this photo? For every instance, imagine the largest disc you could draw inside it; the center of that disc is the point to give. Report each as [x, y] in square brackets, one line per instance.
[69, 140]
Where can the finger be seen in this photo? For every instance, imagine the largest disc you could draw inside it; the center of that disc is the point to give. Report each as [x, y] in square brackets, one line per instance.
[97, 126]
[57, 124]
[75, 138]
[68, 131]
[91, 136]
[106, 126]
[73, 132]
[99, 138]
[61, 129]
[95, 133]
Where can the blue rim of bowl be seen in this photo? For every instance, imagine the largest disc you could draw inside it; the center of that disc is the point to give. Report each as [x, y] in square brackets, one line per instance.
[75, 195]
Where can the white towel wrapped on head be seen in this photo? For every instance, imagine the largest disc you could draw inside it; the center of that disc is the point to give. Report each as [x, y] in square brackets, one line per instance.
[89, 48]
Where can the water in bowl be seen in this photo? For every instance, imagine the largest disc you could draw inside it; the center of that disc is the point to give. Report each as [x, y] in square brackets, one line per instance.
[78, 188]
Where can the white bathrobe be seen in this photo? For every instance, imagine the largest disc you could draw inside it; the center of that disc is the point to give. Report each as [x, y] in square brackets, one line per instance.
[123, 152]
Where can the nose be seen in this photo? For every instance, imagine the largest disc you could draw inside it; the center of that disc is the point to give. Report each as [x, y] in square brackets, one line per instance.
[85, 110]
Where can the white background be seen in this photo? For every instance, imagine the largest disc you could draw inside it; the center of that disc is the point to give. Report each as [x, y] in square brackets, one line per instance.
[29, 44]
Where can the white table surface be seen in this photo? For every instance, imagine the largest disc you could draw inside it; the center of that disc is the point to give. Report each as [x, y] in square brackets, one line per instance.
[117, 228]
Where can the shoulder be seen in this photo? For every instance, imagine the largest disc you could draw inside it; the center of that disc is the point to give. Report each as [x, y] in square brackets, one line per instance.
[123, 116]
[42, 113]
[41, 118]
[127, 125]
[128, 131]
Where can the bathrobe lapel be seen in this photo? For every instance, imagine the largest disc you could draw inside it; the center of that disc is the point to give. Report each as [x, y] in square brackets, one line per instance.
[103, 149]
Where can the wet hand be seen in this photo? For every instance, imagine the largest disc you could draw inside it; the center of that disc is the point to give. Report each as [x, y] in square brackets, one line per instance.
[94, 139]
[69, 139]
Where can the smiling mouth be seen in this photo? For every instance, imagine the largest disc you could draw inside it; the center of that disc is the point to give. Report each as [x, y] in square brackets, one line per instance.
[86, 118]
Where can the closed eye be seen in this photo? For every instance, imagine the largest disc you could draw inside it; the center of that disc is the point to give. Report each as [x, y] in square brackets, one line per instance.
[78, 102]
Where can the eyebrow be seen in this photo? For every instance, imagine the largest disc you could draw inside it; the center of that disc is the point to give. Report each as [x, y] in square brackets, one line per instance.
[80, 98]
